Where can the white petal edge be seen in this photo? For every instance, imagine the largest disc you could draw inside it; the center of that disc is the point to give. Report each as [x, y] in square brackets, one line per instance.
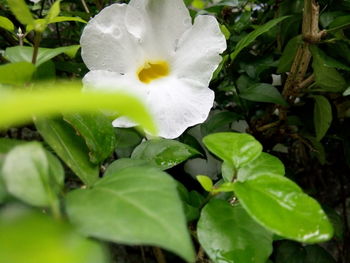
[197, 56]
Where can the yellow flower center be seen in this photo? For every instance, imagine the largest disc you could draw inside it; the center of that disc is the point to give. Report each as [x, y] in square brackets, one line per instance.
[152, 70]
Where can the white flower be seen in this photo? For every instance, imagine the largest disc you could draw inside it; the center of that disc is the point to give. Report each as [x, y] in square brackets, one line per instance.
[150, 48]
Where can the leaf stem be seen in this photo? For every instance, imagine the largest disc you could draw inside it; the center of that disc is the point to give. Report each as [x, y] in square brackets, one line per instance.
[37, 40]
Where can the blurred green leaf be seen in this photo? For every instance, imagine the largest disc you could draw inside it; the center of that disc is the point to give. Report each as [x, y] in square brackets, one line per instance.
[280, 205]
[228, 234]
[248, 39]
[54, 11]
[21, 53]
[18, 73]
[6, 23]
[322, 116]
[32, 237]
[68, 98]
[21, 11]
[33, 176]
[237, 149]
[66, 19]
[69, 147]
[137, 205]
[98, 133]
[164, 153]
[262, 92]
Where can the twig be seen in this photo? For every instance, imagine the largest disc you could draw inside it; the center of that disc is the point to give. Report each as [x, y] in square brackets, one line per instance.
[159, 255]
[85, 6]
[37, 39]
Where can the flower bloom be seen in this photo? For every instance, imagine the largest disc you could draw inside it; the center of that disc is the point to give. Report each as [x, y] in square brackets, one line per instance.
[151, 49]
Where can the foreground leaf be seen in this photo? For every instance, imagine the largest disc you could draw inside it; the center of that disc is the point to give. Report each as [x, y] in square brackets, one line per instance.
[18, 73]
[67, 98]
[35, 238]
[322, 116]
[236, 149]
[31, 175]
[6, 23]
[69, 147]
[280, 205]
[136, 205]
[97, 131]
[164, 153]
[228, 234]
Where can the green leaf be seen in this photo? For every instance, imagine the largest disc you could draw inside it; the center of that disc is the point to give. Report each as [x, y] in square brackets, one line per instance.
[127, 140]
[219, 122]
[31, 175]
[163, 153]
[98, 133]
[18, 73]
[66, 19]
[288, 54]
[53, 12]
[123, 163]
[205, 182]
[6, 23]
[327, 78]
[290, 252]
[262, 92]
[69, 147]
[280, 205]
[49, 100]
[235, 148]
[322, 116]
[21, 11]
[137, 205]
[327, 60]
[33, 237]
[317, 254]
[21, 53]
[248, 39]
[228, 234]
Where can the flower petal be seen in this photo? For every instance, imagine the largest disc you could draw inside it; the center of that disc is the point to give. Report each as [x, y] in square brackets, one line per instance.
[198, 51]
[163, 23]
[107, 45]
[176, 105]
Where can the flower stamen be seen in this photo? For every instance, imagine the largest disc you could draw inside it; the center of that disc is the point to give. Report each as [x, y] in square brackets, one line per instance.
[152, 70]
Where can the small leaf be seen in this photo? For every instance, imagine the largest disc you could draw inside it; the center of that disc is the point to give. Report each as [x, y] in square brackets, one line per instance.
[69, 147]
[67, 19]
[32, 181]
[280, 205]
[98, 133]
[6, 23]
[41, 240]
[262, 92]
[228, 234]
[21, 53]
[235, 148]
[163, 153]
[248, 39]
[288, 55]
[21, 11]
[18, 73]
[322, 116]
[53, 12]
[137, 205]
[205, 182]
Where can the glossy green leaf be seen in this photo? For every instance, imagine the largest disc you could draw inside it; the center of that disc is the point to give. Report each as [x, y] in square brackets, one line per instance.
[18, 73]
[22, 53]
[280, 205]
[31, 175]
[69, 147]
[322, 116]
[97, 131]
[163, 153]
[228, 234]
[32, 237]
[54, 11]
[137, 205]
[205, 182]
[6, 23]
[67, 19]
[20, 9]
[288, 55]
[326, 78]
[262, 92]
[248, 39]
[219, 122]
[68, 98]
[127, 140]
[235, 148]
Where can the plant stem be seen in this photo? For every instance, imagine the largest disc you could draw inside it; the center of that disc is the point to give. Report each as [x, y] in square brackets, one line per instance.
[37, 40]
[159, 255]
